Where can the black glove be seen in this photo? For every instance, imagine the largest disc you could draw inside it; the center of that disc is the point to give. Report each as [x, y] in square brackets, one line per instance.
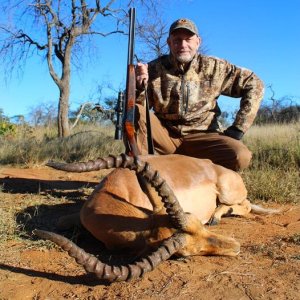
[234, 132]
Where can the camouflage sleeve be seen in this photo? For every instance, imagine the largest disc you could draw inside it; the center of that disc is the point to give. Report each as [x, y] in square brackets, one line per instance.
[240, 82]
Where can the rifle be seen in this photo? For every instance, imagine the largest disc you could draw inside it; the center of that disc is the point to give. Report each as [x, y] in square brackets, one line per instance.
[130, 89]
[130, 97]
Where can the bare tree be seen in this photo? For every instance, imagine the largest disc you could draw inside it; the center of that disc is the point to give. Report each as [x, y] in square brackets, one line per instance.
[58, 31]
[153, 35]
[80, 112]
[278, 110]
[43, 114]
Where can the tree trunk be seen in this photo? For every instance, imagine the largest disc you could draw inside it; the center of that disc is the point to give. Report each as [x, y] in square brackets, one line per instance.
[63, 111]
[64, 93]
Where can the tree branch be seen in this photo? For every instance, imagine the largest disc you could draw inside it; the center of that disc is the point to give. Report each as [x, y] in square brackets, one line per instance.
[82, 106]
[106, 34]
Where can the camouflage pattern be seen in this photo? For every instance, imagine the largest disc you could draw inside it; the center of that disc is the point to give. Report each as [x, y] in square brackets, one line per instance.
[186, 100]
[184, 24]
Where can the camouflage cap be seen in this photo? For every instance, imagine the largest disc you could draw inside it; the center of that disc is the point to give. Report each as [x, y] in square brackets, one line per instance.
[184, 24]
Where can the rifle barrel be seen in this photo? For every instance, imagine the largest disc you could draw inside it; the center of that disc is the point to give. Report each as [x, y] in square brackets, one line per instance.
[131, 35]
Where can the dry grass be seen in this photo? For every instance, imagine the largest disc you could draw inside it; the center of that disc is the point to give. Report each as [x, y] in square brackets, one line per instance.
[275, 146]
[274, 173]
[37, 146]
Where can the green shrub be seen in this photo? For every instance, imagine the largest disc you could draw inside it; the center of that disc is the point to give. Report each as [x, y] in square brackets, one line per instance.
[7, 128]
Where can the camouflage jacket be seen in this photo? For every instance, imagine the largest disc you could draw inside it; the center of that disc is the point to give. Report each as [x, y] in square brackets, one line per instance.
[186, 100]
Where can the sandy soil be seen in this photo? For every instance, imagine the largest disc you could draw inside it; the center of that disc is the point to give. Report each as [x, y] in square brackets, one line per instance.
[267, 268]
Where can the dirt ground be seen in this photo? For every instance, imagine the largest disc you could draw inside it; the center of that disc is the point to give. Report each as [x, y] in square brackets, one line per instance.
[268, 266]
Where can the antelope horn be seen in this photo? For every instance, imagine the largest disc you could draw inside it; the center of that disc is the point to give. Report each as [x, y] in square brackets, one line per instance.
[170, 201]
[173, 208]
[167, 248]
[112, 273]
[109, 162]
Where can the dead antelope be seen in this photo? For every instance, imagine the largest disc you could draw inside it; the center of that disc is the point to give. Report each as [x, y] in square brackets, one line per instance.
[155, 202]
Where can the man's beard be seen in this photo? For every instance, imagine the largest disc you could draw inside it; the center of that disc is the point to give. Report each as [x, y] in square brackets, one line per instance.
[186, 58]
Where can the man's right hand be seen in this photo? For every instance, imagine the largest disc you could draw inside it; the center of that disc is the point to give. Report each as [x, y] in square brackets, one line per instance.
[142, 76]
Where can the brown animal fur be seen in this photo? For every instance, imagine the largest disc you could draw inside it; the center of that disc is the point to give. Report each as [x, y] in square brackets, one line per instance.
[123, 215]
[140, 210]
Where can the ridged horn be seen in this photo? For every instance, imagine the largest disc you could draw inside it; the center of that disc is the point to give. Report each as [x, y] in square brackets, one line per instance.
[173, 208]
[112, 273]
[109, 162]
[170, 201]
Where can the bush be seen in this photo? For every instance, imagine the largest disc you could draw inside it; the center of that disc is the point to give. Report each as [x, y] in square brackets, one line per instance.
[7, 128]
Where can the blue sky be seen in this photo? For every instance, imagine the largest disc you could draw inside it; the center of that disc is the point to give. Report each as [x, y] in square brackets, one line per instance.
[262, 35]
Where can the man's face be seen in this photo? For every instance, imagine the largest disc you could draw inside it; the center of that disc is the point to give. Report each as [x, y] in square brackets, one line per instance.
[183, 45]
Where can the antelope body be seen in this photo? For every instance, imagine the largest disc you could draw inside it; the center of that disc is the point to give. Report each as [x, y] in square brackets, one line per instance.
[139, 209]
[124, 211]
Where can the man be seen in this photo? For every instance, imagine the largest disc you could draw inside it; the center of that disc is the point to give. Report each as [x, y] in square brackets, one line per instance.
[183, 88]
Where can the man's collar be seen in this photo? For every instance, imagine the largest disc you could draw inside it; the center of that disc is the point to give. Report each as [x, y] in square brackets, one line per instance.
[182, 68]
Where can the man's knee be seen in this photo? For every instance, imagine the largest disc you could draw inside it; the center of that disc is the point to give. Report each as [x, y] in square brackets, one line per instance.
[239, 156]
[235, 160]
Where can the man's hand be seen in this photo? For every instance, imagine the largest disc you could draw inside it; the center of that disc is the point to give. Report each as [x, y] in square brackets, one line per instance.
[141, 71]
[234, 132]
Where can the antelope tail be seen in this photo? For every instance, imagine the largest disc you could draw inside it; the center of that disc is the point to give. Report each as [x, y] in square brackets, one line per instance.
[259, 210]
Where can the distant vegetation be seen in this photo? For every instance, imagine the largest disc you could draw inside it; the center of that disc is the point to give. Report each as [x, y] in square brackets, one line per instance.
[275, 115]
[36, 145]
[273, 175]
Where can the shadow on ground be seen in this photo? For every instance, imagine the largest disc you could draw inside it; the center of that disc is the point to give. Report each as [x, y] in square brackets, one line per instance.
[36, 186]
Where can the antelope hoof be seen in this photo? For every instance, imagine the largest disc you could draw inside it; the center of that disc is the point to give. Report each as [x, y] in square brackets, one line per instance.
[213, 221]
